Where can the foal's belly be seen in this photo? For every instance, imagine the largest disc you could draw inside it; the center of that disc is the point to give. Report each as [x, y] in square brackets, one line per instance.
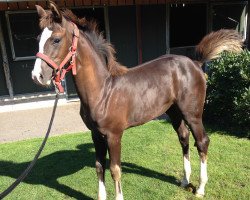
[149, 106]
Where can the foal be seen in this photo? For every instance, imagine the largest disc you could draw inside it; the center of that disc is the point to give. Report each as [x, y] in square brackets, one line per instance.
[114, 98]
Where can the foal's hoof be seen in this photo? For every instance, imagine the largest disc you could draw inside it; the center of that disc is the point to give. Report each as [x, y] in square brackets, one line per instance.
[199, 195]
[191, 188]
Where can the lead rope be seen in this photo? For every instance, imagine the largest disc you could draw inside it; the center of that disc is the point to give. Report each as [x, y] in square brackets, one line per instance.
[30, 166]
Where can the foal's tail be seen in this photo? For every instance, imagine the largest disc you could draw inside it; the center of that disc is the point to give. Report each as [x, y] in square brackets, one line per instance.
[213, 44]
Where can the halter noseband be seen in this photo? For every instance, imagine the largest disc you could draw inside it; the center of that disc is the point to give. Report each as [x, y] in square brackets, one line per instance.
[60, 71]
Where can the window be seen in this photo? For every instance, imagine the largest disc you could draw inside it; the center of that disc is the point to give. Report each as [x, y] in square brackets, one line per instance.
[23, 29]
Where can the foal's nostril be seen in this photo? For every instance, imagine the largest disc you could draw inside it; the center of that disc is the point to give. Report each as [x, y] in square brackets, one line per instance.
[41, 76]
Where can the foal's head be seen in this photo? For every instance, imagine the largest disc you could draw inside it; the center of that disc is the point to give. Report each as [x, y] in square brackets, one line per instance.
[54, 42]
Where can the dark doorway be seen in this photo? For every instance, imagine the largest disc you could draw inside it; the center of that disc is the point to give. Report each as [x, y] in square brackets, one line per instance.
[230, 16]
[3, 87]
[20, 31]
[187, 27]
[153, 31]
[122, 23]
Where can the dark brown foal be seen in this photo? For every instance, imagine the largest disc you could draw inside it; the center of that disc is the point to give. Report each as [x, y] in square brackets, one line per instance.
[114, 98]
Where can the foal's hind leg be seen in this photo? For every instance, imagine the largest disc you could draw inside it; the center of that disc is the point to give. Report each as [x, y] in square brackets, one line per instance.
[183, 135]
[101, 151]
[194, 121]
[202, 142]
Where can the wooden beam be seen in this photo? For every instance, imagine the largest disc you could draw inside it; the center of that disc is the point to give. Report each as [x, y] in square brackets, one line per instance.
[167, 29]
[144, 2]
[87, 2]
[31, 5]
[121, 2]
[78, 3]
[106, 21]
[12, 6]
[248, 27]
[42, 3]
[96, 2]
[112, 2]
[138, 2]
[152, 1]
[15, 5]
[61, 3]
[129, 2]
[3, 6]
[70, 3]
[23, 5]
[105, 2]
[162, 1]
[138, 33]
[6, 63]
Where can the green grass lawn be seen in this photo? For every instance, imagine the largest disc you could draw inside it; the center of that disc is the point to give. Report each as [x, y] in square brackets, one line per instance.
[151, 163]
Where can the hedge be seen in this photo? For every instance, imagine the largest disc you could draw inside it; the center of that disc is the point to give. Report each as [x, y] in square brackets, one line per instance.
[228, 92]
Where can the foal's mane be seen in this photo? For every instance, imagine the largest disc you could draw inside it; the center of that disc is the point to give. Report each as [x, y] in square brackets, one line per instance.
[90, 28]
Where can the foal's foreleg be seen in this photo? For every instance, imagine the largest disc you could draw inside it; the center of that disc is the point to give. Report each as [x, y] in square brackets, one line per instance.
[114, 145]
[100, 143]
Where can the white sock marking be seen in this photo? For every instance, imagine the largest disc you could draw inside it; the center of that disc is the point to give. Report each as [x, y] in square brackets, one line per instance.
[102, 195]
[203, 179]
[119, 197]
[187, 172]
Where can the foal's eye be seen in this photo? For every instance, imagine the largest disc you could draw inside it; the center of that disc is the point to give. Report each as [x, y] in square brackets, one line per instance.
[56, 40]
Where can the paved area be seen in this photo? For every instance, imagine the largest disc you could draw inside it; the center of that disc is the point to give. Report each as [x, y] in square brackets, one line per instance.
[30, 120]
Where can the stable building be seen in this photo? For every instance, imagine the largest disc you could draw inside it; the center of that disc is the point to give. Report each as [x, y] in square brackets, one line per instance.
[140, 30]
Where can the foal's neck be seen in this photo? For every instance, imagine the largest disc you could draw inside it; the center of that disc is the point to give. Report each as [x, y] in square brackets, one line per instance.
[92, 75]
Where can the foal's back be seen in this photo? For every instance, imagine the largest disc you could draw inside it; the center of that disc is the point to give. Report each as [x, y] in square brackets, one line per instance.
[148, 90]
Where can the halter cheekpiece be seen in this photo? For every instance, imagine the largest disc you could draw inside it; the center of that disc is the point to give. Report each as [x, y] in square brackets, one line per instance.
[70, 58]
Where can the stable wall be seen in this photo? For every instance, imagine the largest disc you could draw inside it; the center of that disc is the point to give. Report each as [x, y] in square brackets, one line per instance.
[139, 33]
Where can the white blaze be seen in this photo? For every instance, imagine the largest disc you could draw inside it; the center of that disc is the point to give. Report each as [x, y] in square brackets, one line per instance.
[36, 73]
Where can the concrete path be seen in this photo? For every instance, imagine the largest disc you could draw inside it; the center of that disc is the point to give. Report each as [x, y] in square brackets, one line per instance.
[30, 120]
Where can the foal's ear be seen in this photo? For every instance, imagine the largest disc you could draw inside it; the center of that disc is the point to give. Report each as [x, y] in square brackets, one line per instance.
[41, 12]
[55, 11]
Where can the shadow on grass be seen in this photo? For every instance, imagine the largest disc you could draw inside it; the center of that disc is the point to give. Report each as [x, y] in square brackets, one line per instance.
[50, 168]
[222, 130]
[135, 169]
[213, 127]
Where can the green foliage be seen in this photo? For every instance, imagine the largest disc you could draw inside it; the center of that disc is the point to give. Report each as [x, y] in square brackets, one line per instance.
[228, 92]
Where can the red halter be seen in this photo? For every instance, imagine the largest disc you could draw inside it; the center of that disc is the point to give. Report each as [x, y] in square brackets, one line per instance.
[60, 71]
